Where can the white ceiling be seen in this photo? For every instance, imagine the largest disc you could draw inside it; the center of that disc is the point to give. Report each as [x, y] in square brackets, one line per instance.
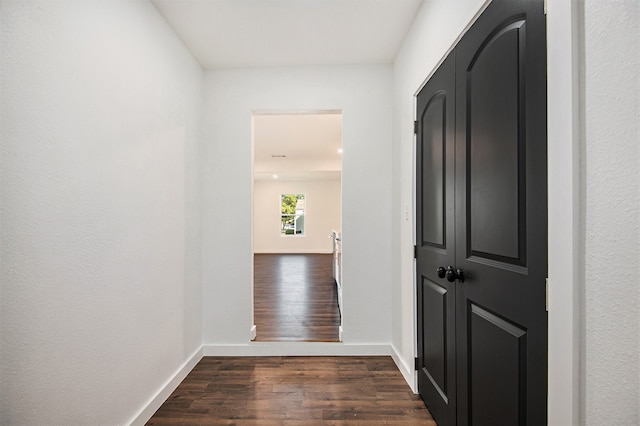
[257, 33]
[297, 146]
[266, 33]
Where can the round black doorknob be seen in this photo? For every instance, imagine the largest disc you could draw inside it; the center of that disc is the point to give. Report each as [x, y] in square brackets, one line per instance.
[451, 274]
[441, 272]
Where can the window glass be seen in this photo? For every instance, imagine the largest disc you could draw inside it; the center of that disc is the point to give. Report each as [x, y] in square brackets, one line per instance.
[292, 214]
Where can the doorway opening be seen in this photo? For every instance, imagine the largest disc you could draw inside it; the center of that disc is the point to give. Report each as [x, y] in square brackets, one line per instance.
[297, 216]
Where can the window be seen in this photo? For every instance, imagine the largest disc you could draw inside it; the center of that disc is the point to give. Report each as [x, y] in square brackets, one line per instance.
[292, 214]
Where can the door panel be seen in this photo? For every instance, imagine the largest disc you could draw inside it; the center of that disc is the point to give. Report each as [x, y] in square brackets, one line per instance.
[499, 347]
[435, 151]
[482, 208]
[434, 321]
[501, 212]
[495, 176]
[433, 171]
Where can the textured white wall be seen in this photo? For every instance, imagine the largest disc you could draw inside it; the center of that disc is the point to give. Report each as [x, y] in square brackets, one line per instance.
[322, 214]
[363, 93]
[100, 232]
[612, 211]
[435, 29]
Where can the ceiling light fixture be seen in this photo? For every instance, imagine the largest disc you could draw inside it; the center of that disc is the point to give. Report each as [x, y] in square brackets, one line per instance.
[275, 176]
[339, 150]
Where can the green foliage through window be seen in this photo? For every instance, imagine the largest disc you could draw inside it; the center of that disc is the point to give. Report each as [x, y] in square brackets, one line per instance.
[292, 208]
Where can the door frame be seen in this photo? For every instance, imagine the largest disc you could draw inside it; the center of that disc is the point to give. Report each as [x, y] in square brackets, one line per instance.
[564, 113]
[258, 112]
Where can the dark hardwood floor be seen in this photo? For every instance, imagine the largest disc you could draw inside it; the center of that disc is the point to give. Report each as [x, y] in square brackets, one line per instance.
[295, 298]
[269, 391]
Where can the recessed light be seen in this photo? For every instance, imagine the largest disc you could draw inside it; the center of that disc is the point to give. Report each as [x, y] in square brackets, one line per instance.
[339, 150]
[275, 176]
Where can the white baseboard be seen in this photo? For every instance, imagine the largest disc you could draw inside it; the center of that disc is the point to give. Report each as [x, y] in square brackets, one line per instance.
[294, 251]
[407, 371]
[296, 349]
[165, 391]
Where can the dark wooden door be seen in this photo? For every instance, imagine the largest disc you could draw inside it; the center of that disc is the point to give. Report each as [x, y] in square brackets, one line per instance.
[500, 215]
[435, 151]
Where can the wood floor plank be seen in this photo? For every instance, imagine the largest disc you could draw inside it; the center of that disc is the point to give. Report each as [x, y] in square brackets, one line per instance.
[295, 298]
[295, 391]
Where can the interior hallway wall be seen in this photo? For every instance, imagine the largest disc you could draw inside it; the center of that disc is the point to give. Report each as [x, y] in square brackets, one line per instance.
[611, 179]
[363, 94]
[100, 234]
[322, 214]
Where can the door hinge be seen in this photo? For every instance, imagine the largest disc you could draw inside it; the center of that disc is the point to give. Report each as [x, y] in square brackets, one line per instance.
[546, 285]
[415, 127]
[416, 364]
[415, 252]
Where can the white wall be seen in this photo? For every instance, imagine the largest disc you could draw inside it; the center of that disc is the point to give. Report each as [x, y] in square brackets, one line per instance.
[322, 214]
[100, 215]
[434, 32]
[612, 211]
[363, 93]
[100, 232]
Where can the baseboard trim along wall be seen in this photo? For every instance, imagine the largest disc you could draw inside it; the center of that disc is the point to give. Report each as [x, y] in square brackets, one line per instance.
[293, 251]
[408, 372]
[296, 349]
[165, 391]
